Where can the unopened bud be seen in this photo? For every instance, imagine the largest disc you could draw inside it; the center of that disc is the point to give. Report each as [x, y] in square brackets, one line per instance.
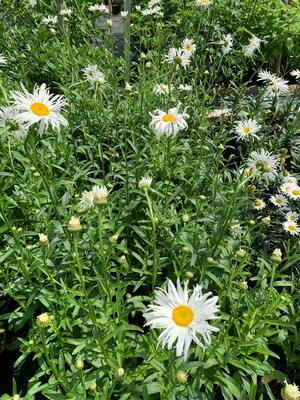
[122, 260]
[243, 285]
[74, 225]
[189, 274]
[43, 239]
[119, 373]
[43, 320]
[79, 364]
[210, 260]
[182, 376]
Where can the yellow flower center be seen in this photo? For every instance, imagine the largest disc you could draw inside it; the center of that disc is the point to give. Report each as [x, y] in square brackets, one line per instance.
[203, 1]
[278, 200]
[188, 48]
[296, 192]
[183, 315]
[258, 203]
[292, 227]
[246, 131]
[39, 109]
[292, 217]
[169, 118]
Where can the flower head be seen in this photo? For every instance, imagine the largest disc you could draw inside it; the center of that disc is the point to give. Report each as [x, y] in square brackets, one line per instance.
[43, 320]
[278, 200]
[188, 46]
[145, 183]
[102, 8]
[162, 89]
[275, 86]
[296, 73]
[227, 44]
[291, 216]
[93, 75]
[259, 204]
[8, 120]
[169, 123]
[291, 227]
[290, 392]
[182, 317]
[100, 194]
[39, 107]
[247, 128]
[178, 57]
[50, 20]
[254, 44]
[203, 3]
[263, 162]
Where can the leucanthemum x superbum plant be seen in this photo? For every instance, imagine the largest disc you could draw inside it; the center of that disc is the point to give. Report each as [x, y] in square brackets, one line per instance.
[101, 260]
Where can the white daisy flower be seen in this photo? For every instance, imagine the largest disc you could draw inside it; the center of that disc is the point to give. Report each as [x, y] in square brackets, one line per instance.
[162, 89]
[153, 3]
[278, 200]
[102, 8]
[217, 113]
[296, 73]
[259, 204]
[65, 12]
[124, 14]
[50, 20]
[178, 57]
[293, 192]
[290, 179]
[275, 85]
[32, 3]
[254, 44]
[291, 227]
[169, 123]
[93, 75]
[247, 128]
[182, 317]
[263, 162]
[188, 46]
[203, 3]
[87, 200]
[291, 216]
[290, 391]
[145, 182]
[8, 120]
[185, 88]
[227, 44]
[100, 194]
[286, 187]
[39, 107]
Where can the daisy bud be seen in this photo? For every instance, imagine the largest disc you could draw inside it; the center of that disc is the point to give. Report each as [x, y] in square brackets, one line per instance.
[290, 392]
[285, 174]
[122, 260]
[210, 260]
[33, 169]
[202, 197]
[109, 23]
[249, 337]
[185, 249]
[243, 285]
[143, 56]
[128, 296]
[267, 379]
[128, 87]
[266, 220]
[281, 160]
[185, 218]
[43, 320]
[93, 385]
[221, 147]
[74, 225]
[36, 174]
[246, 173]
[283, 151]
[240, 252]
[148, 64]
[252, 222]
[29, 247]
[182, 376]
[114, 239]
[79, 364]
[119, 373]
[19, 229]
[43, 239]
[251, 188]
[138, 8]
[276, 256]
[189, 274]
[16, 397]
